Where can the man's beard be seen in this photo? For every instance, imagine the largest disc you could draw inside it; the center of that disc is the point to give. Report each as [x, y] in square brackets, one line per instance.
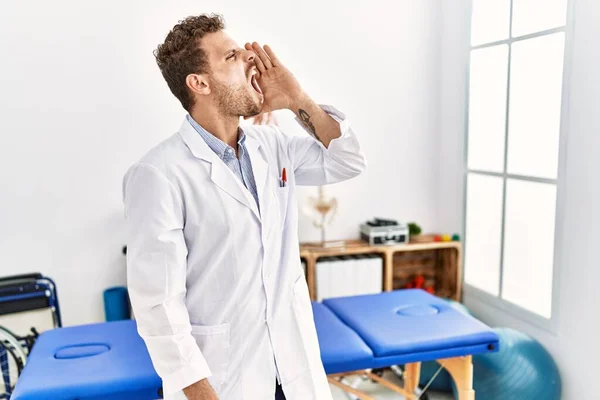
[235, 100]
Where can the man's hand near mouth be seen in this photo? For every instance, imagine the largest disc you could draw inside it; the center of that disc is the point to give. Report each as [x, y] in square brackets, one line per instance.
[281, 90]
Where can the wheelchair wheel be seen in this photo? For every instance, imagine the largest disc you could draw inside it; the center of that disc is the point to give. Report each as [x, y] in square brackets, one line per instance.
[12, 361]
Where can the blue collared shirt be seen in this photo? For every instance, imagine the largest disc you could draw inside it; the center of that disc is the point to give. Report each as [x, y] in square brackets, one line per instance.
[242, 167]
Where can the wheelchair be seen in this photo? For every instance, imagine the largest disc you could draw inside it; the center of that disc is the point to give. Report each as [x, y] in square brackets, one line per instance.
[20, 293]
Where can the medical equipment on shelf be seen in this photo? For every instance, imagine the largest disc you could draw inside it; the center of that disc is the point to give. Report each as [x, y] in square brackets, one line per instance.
[384, 232]
[356, 333]
[321, 210]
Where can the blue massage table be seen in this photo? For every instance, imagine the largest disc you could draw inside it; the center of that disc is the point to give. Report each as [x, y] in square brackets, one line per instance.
[107, 361]
[359, 333]
[356, 334]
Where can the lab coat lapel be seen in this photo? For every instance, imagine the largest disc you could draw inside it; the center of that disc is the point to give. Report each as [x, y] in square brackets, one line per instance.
[260, 170]
[224, 178]
[220, 174]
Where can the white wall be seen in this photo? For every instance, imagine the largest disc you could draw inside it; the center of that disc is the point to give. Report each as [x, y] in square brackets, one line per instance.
[81, 99]
[574, 345]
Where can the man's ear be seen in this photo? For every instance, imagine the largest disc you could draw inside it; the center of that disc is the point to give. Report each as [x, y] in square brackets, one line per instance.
[198, 83]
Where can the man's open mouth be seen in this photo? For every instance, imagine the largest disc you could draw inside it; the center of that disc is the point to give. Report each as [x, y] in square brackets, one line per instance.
[254, 84]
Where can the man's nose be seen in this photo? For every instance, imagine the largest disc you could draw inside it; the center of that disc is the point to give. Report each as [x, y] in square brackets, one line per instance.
[249, 56]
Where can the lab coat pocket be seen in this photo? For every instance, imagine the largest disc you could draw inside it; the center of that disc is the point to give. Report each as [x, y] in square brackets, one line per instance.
[213, 341]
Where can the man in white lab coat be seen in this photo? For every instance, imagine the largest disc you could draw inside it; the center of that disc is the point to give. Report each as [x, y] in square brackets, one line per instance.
[213, 263]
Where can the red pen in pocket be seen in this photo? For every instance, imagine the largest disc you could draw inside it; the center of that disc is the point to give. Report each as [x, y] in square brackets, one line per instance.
[283, 178]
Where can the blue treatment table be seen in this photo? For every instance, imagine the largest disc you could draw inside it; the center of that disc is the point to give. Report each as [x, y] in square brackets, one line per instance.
[110, 361]
[358, 333]
[107, 361]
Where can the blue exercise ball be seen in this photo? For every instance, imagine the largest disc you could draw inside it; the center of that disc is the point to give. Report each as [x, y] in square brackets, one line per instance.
[521, 369]
[441, 383]
[459, 306]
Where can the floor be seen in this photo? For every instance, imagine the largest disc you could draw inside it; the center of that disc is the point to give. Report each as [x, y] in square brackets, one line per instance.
[381, 393]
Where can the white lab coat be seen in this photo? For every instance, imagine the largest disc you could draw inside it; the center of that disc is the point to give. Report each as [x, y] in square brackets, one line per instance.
[216, 287]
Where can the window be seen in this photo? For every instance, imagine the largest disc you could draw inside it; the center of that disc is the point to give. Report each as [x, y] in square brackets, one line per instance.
[513, 143]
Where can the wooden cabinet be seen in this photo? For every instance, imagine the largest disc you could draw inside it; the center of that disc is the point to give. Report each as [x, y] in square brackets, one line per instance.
[438, 262]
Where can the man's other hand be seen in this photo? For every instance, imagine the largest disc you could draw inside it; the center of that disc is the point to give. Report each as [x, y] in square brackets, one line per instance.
[200, 390]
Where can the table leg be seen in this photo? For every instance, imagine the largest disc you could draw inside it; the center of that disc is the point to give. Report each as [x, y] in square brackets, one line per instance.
[461, 370]
[388, 271]
[412, 374]
[310, 277]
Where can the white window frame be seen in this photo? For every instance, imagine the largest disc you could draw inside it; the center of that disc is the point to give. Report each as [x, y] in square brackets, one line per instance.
[498, 302]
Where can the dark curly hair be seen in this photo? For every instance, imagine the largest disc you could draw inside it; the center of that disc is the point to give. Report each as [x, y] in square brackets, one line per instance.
[181, 54]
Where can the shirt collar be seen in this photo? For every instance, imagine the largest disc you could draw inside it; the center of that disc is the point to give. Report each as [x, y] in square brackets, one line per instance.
[216, 144]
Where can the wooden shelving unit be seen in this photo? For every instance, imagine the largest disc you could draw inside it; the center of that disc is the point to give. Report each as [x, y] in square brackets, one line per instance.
[438, 262]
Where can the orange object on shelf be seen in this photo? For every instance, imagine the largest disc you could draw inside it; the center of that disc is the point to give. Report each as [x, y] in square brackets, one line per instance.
[419, 281]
